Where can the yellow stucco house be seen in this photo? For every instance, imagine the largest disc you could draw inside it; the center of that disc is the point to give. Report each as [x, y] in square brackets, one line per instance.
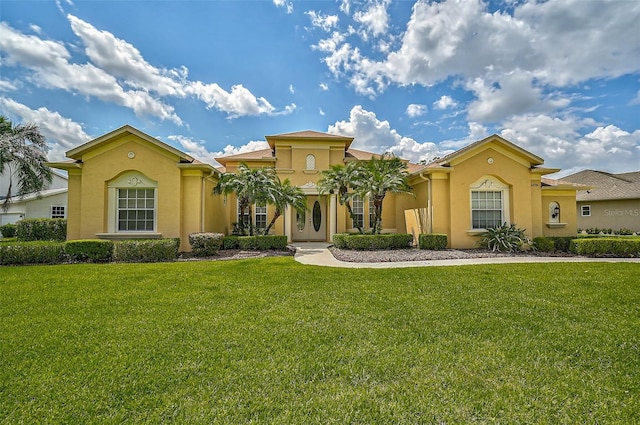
[127, 184]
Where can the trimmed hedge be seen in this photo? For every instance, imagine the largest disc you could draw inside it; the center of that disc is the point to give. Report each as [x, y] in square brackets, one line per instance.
[372, 242]
[39, 252]
[205, 244]
[543, 244]
[42, 229]
[8, 230]
[432, 241]
[146, 250]
[262, 242]
[595, 247]
[95, 250]
[231, 242]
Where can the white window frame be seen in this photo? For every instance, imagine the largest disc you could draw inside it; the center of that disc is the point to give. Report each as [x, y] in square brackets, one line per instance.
[585, 209]
[55, 211]
[129, 180]
[260, 213]
[357, 206]
[489, 184]
[136, 207]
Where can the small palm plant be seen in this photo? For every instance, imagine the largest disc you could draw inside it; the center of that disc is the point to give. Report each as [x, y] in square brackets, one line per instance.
[506, 237]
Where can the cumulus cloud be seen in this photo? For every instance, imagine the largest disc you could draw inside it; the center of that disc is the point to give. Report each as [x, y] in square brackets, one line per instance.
[198, 149]
[288, 5]
[118, 73]
[375, 135]
[324, 22]
[62, 133]
[415, 110]
[445, 102]
[374, 19]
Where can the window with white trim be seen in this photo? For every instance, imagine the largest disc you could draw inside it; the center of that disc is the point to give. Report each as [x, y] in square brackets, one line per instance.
[132, 203]
[489, 203]
[58, 211]
[357, 206]
[136, 210]
[260, 211]
[585, 210]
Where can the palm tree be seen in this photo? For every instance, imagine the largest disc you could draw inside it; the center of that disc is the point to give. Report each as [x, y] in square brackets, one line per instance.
[384, 174]
[23, 156]
[248, 184]
[338, 179]
[280, 194]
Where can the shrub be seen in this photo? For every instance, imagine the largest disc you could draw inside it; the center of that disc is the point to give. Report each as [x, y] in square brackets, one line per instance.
[618, 247]
[506, 237]
[205, 244]
[231, 242]
[262, 243]
[95, 250]
[373, 242]
[40, 252]
[8, 230]
[544, 244]
[146, 250]
[561, 243]
[42, 229]
[433, 241]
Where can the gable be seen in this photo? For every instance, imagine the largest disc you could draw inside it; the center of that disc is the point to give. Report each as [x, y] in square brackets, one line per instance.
[497, 144]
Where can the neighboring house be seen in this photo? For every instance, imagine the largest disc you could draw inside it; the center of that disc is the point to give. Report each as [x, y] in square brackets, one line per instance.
[49, 203]
[127, 184]
[611, 202]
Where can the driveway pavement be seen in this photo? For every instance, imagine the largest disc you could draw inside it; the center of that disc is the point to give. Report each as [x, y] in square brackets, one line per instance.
[318, 254]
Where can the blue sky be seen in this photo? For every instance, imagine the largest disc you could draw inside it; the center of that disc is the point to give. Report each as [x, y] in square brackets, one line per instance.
[560, 78]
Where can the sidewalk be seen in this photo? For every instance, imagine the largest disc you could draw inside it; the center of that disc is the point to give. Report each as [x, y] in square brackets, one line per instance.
[317, 254]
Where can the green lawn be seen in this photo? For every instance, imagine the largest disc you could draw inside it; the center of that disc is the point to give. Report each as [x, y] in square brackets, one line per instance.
[272, 341]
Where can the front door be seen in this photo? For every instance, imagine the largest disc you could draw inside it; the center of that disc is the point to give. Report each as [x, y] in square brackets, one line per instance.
[312, 224]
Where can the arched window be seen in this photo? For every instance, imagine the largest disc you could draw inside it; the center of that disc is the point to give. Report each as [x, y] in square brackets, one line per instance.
[311, 162]
[489, 203]
[554, 212]
[132, 203]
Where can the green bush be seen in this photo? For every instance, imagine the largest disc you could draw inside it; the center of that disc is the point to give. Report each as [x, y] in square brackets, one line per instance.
[231, 242]
[95, 250]
[506, 237]
[372, 242]
[205, 244]
[561, 243]
[39, 252]
[42, 229]
[8, 230]
[596, 247]
[432, 241]
[544, 244]
[146, 250]
[262, 243]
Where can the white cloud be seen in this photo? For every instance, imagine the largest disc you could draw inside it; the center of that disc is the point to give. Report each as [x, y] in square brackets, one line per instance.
[374, 135]
[325, 87]
[375, 19]
[35, 28]
[415, 110]
[7, 86]
[198, 150]
[324, 22]
[119, 74]
[61, 133]
[321, 112]
[284, 3]
[291, 89]
[572, 142]
[445, 102]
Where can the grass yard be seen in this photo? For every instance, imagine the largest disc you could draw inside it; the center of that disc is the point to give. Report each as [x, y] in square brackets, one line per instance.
[272, 341]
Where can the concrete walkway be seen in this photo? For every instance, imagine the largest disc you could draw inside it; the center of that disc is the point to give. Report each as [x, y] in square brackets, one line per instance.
[317, 254]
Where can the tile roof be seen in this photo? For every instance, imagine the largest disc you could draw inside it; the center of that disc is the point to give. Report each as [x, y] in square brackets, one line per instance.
[607, 186]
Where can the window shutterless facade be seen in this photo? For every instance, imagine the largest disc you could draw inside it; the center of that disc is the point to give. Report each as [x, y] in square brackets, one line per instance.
[585, 210]
[136, 210]
[260, 216]
[58, 211]
[357, 206]
[489, 203]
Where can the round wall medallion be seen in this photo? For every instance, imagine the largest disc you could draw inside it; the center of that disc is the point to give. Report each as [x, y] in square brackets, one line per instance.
[490, 160]
[131, 155]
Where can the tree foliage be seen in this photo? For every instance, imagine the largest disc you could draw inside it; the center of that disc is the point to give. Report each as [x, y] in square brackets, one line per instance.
[23, 159]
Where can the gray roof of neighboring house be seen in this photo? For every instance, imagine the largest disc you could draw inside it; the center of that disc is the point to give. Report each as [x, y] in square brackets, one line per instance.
[606, 186]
